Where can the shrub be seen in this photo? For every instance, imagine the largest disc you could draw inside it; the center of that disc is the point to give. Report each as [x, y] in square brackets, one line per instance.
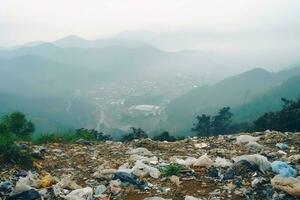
[137, 133]
[172, 170]
[11, 152]
[165, 136]
[17, 123]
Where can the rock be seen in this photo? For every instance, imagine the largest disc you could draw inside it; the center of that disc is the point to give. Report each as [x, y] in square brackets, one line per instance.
[203, 161]
[289, 185]
[256, 159]
[294, 159]
[242, 139]
[26, 195]
[283, 169]
[80, 194]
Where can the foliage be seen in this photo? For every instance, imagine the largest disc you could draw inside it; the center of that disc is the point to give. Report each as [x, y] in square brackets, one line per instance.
[69, 137]
[172, 170]
[287, 119]
[137, 133]
[165, 136]
[11, 152]
[219, 124]
[17, 123]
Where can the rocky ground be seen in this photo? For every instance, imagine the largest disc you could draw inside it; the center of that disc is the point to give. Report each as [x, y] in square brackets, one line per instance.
[243, 166]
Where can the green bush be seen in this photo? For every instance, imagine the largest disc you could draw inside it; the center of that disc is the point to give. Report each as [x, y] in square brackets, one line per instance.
[136, 133]
[12, 153]
[165, 136]
[172, 170]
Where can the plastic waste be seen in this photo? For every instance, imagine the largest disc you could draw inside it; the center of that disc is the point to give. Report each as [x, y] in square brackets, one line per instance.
[201, 145]
[257, 181]
[261, 161]
[152, 160]
[6, 186]
[191, 198]
[254, 146]
[128, 178]
[176, 180]
[46, 181]
[155, 198]
[26, 195]
[141, 170]
[283, 169]
[189, 161]
[294, 158]
[242, 139]
[100, 189]
[26, 183]
[222, 162]
[289, 185]
[282, 146]
[114, 186]
[140, 151]
[203, 161]
[80, 194]
[67, 183]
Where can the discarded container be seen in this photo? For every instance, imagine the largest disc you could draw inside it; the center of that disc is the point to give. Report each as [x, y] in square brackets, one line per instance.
[290, 185]
[283, 169]
[80, 194]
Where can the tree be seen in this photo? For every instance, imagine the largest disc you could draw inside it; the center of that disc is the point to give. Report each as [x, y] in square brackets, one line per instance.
[222, 121]
[165, 136]
[203, 125]
[18, 124]
[136, 133]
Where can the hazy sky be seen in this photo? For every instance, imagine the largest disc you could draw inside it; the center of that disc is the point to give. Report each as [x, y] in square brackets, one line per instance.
[27, 20]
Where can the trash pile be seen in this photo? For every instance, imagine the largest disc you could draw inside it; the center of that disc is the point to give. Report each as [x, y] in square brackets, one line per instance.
[261, 165]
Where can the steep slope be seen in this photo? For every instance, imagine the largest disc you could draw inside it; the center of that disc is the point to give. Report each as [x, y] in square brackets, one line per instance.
[234, 91]
[269, 101]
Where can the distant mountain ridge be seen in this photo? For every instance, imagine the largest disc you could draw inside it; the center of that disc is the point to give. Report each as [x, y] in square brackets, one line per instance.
[234, 92]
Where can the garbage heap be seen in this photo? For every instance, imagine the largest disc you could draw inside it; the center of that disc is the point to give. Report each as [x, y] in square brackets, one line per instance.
[261, 165]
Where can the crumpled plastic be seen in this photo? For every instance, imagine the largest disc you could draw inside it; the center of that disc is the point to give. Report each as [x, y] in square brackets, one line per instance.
[289, 185]
[140, 169]
[242, 139]
[222, 162]
[203, 161]
[283, 169]
[80, 194]
[140, 151]
[261, 161]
